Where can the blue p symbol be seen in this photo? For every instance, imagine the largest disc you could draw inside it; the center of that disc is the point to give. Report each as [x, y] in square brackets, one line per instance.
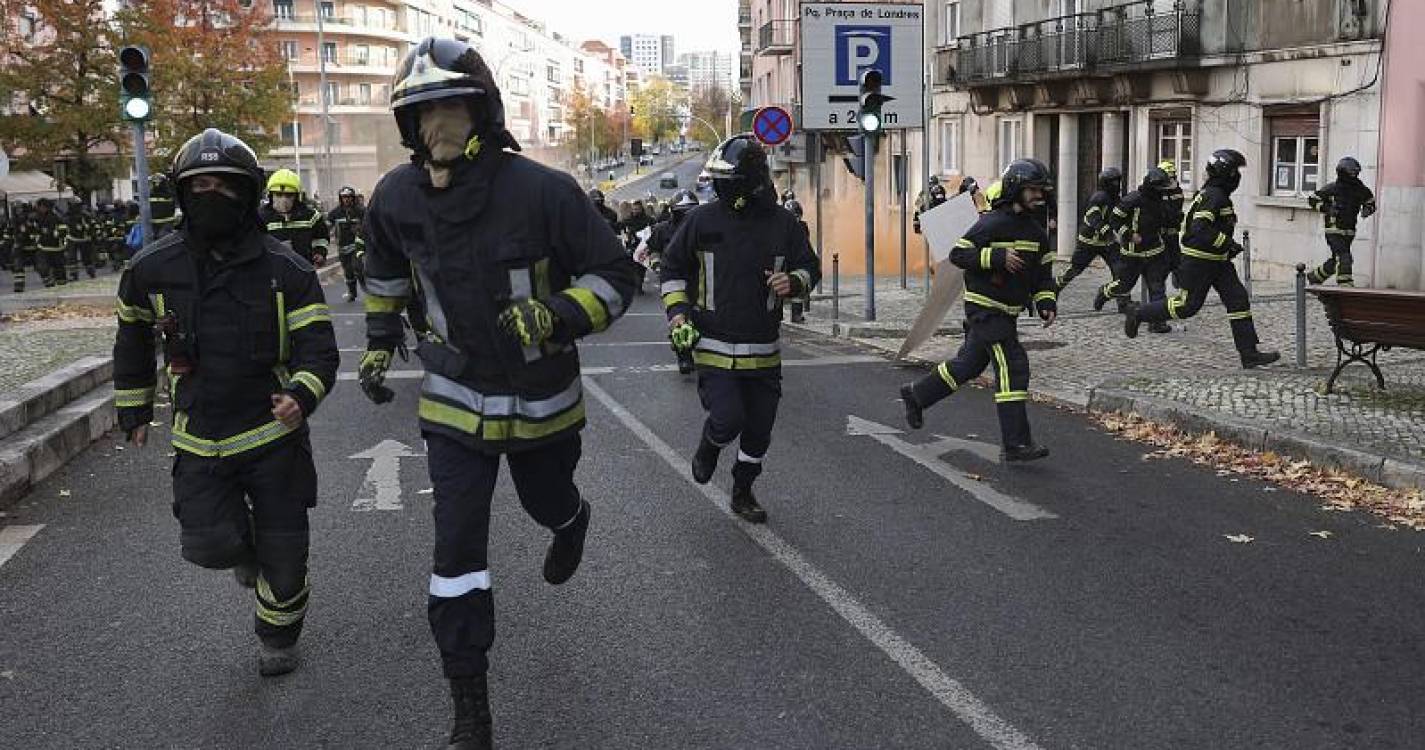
[859, 48]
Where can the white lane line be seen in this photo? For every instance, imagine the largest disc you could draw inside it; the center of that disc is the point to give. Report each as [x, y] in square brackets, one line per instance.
[844, 359]
[950, 692]
[12, 538]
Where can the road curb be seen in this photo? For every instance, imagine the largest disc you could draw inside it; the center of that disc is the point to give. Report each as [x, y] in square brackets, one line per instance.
[1385, 470]
[32, 454]
[43, 396]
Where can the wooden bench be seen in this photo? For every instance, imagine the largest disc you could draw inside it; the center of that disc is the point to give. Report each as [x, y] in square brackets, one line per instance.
[1365, 321]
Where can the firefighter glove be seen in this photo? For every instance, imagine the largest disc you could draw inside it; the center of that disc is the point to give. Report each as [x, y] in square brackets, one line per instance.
[684, 336]
[371, 374]
[528, 321]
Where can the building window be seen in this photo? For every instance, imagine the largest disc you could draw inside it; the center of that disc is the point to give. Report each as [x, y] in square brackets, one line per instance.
[282, 9]
[361, 55]
[1011, 140]
[363, 93]
[950, 28]
[333, 92]
[949, 146]
[1296, 152]
[329, 52]
[551, 71]
[291, 134]
[328, 10]
[289, 50]
[1175, 145]
[519, 86]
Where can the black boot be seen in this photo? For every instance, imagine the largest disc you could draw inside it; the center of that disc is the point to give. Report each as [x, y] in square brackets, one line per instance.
[1159, 327]
[272, 662]
[351, 291]
[1031, 452]
[1131, 321]
[567, 547]
[1099, 300]
[470, 729]
[705, 460]
[1257, 358]
[246, 574]
[744, 503]
[914, 412]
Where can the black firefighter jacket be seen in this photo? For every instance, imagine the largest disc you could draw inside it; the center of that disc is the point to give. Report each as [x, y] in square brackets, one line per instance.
[993, 294]
[505, 229]
[1343, 201]
[715, 271]
[1209, 224]
[1093, 225]
[250, 325]
[304, 229]
[346, 222]
[1140, 214]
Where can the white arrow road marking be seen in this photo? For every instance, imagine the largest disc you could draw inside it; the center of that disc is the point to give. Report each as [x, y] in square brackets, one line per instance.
[383, 479]
[950, 692]
[928, 455]
[12, 538]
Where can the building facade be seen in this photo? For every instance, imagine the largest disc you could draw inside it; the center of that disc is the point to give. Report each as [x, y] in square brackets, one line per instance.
[1086, 84]
[649, 53]
[710, 69]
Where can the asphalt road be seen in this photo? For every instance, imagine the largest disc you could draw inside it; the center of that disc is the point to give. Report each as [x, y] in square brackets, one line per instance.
[883, 606]
[685, 171]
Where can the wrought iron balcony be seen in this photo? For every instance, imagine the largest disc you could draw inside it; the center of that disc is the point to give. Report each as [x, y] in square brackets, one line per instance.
[1121, 37]
[777, 38]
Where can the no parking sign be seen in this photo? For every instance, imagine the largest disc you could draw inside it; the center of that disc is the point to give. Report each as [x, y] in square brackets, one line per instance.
[772, 125]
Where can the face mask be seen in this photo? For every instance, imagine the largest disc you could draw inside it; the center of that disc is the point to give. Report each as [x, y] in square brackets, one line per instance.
[212, 216]
[282, 202]
[445, 131]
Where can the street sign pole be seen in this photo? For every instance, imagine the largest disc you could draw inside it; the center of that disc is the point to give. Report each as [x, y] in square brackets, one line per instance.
[870, 171]
[925, 104]
[814, 154]
[902, 188]
[141, 173]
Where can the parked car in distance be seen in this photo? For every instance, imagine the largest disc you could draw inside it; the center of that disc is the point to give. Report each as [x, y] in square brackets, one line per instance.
[668, 181]
[645, 159]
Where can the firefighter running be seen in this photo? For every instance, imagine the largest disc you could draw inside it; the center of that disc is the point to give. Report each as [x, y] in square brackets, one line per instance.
[1208, 248]
[514, 264]
[249, 352]
[1008, 265]
[345, 221]
[1342, 202]
[725, 276]
[290, 219]
[1138, 221]
[663, 232]
[1095, 239]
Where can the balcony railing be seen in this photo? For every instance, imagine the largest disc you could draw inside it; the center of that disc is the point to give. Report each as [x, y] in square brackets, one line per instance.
[342, 23]
[777, 38]
[1126, 35]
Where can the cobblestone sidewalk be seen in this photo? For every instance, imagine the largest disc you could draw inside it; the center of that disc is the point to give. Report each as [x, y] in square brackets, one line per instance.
[1195, 365]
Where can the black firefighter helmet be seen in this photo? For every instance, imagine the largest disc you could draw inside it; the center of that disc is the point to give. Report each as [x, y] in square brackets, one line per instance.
[215, 152]
[1224, 162]
[1021, 174]
[739, 171]
[683, 202]
[1348, 167]
[441, 69]
[1110, 180]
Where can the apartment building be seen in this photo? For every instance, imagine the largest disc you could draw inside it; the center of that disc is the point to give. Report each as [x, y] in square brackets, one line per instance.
[344, 69]
[1085, 84]
[649, 53]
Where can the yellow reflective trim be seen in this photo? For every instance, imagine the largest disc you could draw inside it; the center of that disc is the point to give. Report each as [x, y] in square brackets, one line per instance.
[591, 304]
[725, 362]
[378, 304]
[284, 346]
[240, 443]
[305, 316]
[1221, 240]
[1195, 253]
[1210, 216]
[1175, 302]
[1244, 315]
[1002, 371]
[993, 304]
[499, 428]
[133, 397]
[312, 383]
[675, 298]
[964, 243]
[987, 258]
[1046, 296]
[265, 595]
[1047, 259]
[1011, 396]
[944, 371]
[134, 313]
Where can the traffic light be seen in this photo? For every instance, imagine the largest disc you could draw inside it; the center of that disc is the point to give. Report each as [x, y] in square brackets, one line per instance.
[868, 117]
[135, 98]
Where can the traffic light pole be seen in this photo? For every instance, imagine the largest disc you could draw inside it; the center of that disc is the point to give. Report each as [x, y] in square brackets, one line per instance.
[141, 172]
[870, 171]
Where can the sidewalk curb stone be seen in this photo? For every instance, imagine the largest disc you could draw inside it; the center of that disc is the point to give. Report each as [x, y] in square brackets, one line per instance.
[43, 396]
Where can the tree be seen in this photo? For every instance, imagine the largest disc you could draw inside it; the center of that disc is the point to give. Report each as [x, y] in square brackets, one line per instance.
[710, 103]
[61, 83]
[657, 104]
[214, 66]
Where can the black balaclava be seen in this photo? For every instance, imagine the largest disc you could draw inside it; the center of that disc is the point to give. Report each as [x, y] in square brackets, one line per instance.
[212, 218]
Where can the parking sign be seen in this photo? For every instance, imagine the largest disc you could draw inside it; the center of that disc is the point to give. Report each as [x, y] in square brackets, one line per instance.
[840, 41]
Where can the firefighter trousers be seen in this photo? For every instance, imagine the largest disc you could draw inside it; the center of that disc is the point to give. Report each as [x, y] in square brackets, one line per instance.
[19, 259]
[252, 507]
[351, 268]
[1153, 270]
[461, 606]
[742, 407]
[990, 339]
[1084, 254]
[1198, 277]
[1338, 265]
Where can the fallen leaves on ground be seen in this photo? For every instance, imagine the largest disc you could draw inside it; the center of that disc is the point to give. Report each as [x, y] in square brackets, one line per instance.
[57, 312]
[1340, 490]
